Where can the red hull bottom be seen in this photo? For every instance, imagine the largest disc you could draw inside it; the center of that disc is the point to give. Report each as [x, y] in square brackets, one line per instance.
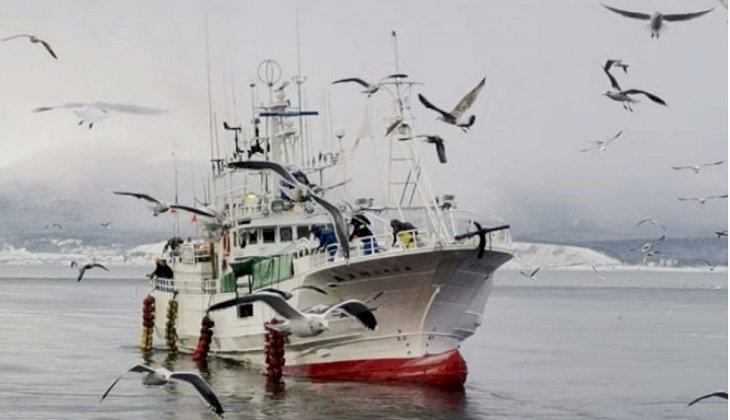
[445, 370]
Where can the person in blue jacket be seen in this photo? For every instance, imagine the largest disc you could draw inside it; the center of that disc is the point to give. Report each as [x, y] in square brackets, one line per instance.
[326, 238]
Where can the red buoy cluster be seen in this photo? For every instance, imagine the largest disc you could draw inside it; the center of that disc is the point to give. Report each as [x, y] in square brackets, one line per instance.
[148, 322]
[274, 350]
[206, 336]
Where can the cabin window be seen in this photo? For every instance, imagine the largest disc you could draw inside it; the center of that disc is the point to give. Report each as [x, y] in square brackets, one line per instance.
[302, 232]
[253, 237]
[242, 239]
[245, 310]
[285, 234]
[269, 235]
[234, 239]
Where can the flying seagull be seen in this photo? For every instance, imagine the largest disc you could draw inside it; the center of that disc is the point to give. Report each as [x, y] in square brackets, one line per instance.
[456, 116]
[160, 207]
[288, 294]
[435, 140]
[720, 233]
[82, 269]
[303, 324]
[303, 192]
[657, 19]
[93, 112]
[602, 145]
[598, 276]
[653, 222]
[54, 225]
[105, 225]
[33, 39]
[696, 168]
[620, 64]
[624, 96]
[702, 200]
[531, 274]
[370, 88]
[709, 265]
[162, 376]
[482, 232]
[721, 394]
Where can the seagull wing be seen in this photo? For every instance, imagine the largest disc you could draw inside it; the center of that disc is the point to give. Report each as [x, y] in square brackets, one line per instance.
[535, 272]
[440, 148]
[467, 101]
[721, 394]
[688, 199]
[651, 96]
[138, 368]
[82, 271]
[353, 79]
[131, 109]
[16, 36]
[717, 196]
[685, 16]
[357, 309]
[286, 295]
[679, 168]
[48, 48]
[615, 136]
[607, 70]
[275, 301]
[341, 229]
[193, 210]
[433, 107]
[634, 15]
[204, 390]
[393, 126]
[315, 288]
[138, 195]
[719, 162]
[395, 76]
[261, 165]
[97, 265]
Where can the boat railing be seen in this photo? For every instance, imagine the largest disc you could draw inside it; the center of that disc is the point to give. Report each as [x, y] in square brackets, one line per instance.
[192, 287]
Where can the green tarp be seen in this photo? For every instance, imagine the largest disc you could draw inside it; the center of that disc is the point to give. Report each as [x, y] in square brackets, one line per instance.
[272, 270]
[228, 283]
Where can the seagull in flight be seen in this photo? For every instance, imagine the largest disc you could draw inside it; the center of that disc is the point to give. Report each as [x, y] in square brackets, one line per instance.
[160, 207]
[702, 200]
[531, 274]
[456, 116]
[302, 324]
[620, 64]
[602, 145]
[657, 19]
[301, 193]
[598, 276]
[83, 268]
[653, 222]
[162, 376]
[707, 263]
[370, 88]
[93, 112]
[720, 233]
[33, 39]
[624, 96]
[54, 225]
[720, 394]
[696, 168]
[435, 140]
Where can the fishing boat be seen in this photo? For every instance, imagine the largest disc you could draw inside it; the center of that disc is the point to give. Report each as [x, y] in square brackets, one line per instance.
[426, 272]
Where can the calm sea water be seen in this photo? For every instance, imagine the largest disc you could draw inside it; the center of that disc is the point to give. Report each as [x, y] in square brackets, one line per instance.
[567, 346]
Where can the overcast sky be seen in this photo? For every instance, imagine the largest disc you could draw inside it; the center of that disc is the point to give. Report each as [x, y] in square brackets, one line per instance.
[519, 164]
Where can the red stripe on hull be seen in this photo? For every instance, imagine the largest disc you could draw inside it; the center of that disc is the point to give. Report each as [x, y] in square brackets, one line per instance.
[446, 370]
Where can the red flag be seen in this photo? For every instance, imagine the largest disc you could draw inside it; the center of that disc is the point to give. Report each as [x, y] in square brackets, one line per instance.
[194, 219]
[173, 211]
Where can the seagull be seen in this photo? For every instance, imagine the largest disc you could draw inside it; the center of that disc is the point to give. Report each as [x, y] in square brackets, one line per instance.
[653, 222]
[435, 140]
[455, 116]
[482, 232]
[532, 274]
[54, 225]
[370, 88]
[162, 376]
[93, 112]
[105, 225]
[298, 323]
[303, 192]
[707, 263]
[624, 96]
[701, 200]
[721, 394]
[656, 20]
[648, 248]
[82, 269]
[619, 63]
[696, 168]
[288, 294]
[602, 145]
[33, 39]
[720, 233]
[395, 124]
[162, 207]
[598, 276]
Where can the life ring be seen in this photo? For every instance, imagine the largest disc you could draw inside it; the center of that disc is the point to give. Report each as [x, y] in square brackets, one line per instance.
[227, 245]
